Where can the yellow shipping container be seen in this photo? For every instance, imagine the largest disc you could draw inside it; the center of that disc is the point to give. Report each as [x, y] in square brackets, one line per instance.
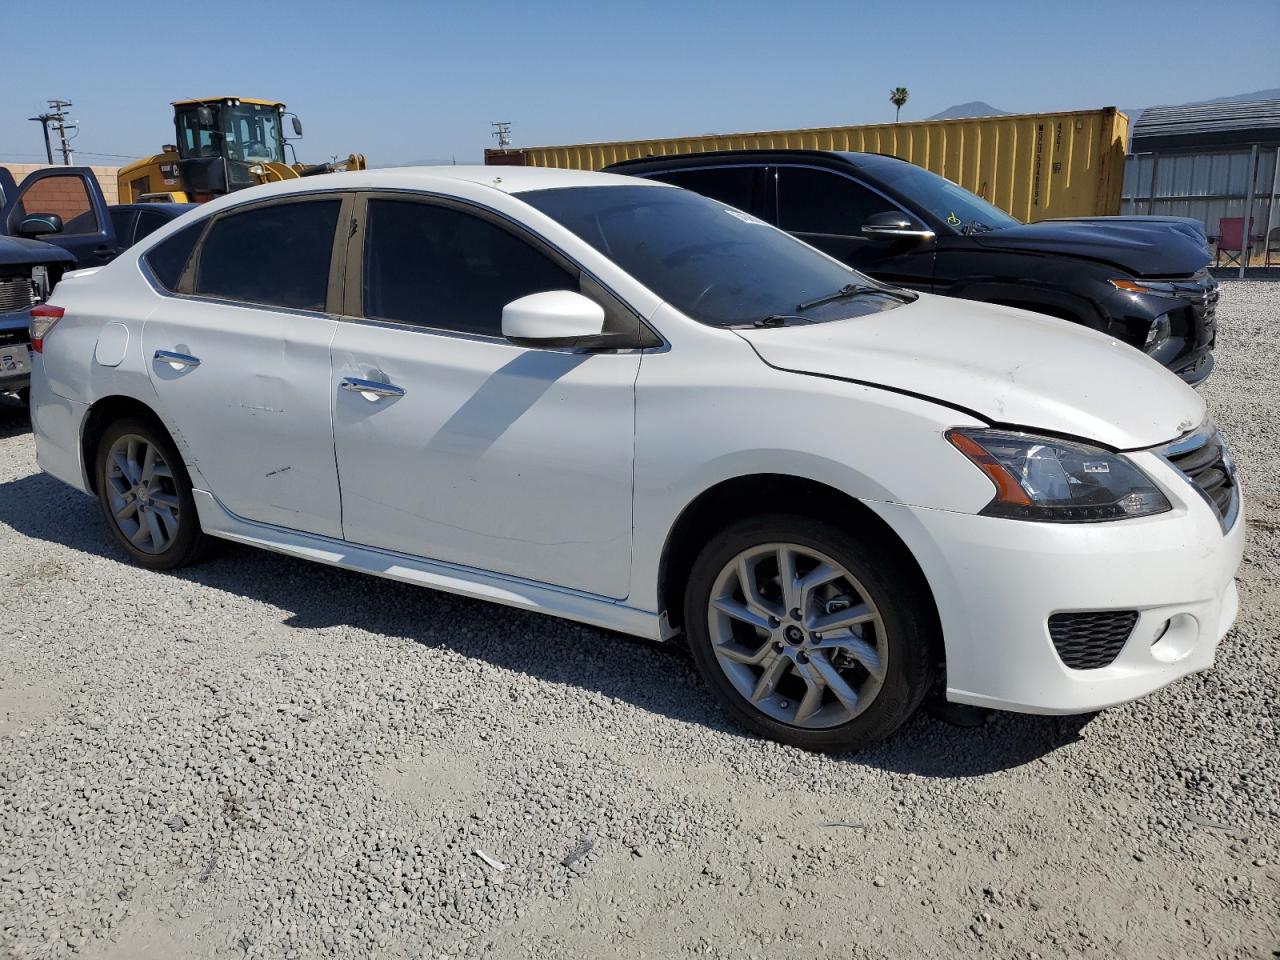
[1033, 165]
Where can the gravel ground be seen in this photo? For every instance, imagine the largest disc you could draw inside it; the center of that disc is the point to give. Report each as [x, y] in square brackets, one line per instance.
[266, 758]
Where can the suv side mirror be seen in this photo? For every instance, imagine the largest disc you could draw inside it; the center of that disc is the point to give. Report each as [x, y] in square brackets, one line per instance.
[556, 318]
[40, 224]
[894, 224]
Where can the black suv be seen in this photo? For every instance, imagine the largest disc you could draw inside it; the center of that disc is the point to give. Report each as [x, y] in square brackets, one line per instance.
[1143, 280]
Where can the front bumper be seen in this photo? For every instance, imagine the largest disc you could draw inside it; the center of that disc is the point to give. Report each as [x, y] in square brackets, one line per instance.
[15, 354]
[996, 583]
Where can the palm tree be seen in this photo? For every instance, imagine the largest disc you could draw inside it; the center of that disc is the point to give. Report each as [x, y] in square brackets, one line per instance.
[898, 96]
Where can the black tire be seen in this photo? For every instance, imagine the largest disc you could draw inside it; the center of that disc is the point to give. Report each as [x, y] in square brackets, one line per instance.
[189, 544]
[24, 397]
[906, 612]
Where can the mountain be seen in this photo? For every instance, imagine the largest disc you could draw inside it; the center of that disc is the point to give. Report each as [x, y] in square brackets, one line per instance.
[974, 108]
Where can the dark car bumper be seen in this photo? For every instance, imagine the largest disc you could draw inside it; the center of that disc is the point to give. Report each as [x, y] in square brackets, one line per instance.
[1191, 311]
[15, 356]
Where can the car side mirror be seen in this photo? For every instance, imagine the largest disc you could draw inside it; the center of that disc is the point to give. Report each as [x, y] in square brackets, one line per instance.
[556, 318]
[297, 127]
[894, 225]
[39, 225]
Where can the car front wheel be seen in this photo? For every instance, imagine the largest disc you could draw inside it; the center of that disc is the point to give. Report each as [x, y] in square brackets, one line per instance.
[809, 634]
[145, 495]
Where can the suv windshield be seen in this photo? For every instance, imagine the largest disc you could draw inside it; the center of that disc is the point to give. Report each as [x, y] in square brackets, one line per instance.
[949, 202]
[718, 265]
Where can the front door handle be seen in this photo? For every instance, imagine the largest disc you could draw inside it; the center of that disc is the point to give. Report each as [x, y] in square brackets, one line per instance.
[179, 361]
[371, 390]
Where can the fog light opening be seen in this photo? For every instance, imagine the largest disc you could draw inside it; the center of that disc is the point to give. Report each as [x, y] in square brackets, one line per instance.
[1163, 630]
[1177, 639]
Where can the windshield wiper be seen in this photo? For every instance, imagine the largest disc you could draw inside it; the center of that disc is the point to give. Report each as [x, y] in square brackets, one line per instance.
[779, 320]
[848, 290]
[856, 289]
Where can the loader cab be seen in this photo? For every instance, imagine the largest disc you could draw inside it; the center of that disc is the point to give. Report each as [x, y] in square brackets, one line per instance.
[219, 141]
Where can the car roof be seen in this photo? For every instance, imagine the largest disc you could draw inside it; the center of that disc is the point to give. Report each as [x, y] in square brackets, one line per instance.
[512, 180]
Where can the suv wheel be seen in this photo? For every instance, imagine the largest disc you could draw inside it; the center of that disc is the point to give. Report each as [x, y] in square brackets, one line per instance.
[145, 495]
[808, 634]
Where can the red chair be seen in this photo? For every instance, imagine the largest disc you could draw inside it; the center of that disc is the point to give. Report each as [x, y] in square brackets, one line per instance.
[1231, 240]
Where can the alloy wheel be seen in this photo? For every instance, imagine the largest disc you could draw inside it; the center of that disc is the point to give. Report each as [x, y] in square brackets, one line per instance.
[142, 493]
[797, 635]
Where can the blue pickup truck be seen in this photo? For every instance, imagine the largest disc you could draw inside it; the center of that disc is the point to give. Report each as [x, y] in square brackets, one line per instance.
[56, 220]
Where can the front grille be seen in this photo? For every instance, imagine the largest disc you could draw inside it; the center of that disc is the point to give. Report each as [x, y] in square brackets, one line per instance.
[1093, 639]
[16, 294]
[1203, 459]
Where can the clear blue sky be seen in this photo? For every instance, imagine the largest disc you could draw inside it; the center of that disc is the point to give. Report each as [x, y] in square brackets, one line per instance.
[418, 81]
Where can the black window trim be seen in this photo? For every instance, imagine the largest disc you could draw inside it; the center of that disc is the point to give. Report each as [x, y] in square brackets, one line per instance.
[352, 304]
[333, 295]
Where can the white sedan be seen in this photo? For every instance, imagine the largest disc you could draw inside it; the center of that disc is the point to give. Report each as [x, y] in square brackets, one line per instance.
[626, 404]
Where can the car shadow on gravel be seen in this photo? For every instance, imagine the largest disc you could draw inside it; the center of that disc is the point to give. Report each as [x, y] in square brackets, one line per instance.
[654, 677]
[15, 419]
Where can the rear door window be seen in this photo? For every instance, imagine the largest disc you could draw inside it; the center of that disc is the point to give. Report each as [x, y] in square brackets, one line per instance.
[739, 187]
[168, 258]
[148, 223]
[437, 266]
[276, 255]
[122, 224]
[824, 202]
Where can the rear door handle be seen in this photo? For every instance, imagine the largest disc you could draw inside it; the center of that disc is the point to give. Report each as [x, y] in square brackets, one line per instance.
[179, 361]
[371, 390]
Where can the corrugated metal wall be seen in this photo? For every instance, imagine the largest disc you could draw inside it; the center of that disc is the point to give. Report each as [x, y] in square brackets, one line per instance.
[1035, 166]
[1207, 186]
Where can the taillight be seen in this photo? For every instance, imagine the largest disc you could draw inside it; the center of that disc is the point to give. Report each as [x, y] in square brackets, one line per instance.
[43, 319]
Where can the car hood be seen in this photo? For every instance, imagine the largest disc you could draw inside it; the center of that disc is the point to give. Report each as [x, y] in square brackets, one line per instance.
[1010, 367]
[1141, 246]
[20, 250]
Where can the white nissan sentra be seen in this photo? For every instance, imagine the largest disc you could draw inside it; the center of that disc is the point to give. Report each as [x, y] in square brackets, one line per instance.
[623, 403]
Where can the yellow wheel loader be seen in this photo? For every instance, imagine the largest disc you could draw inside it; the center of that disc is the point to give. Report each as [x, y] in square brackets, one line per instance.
[223, 144]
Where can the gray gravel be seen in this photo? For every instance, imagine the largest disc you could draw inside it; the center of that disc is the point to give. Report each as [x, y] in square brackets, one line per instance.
[266, 758]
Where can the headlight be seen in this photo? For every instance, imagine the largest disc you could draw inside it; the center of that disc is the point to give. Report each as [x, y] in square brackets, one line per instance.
[1157, 333]
[1043, 478]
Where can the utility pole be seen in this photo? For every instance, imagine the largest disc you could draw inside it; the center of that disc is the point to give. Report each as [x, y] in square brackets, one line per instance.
[59, 120]
[502, 132]
[43, 119]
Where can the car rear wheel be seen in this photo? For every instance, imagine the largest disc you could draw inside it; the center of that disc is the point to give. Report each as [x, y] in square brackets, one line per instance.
[809, 634]
[145, 494]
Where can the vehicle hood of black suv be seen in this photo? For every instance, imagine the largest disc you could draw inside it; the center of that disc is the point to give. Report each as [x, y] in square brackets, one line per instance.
[16, 251]
[1140, 247]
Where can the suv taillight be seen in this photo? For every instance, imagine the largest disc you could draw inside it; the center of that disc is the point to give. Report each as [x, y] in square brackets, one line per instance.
[43, 319]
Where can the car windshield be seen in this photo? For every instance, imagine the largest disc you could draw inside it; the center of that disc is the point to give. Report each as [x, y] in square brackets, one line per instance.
[718, 265]
[954, 205]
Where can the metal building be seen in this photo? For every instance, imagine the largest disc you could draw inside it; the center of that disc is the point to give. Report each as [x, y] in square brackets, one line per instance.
[1211, 161]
